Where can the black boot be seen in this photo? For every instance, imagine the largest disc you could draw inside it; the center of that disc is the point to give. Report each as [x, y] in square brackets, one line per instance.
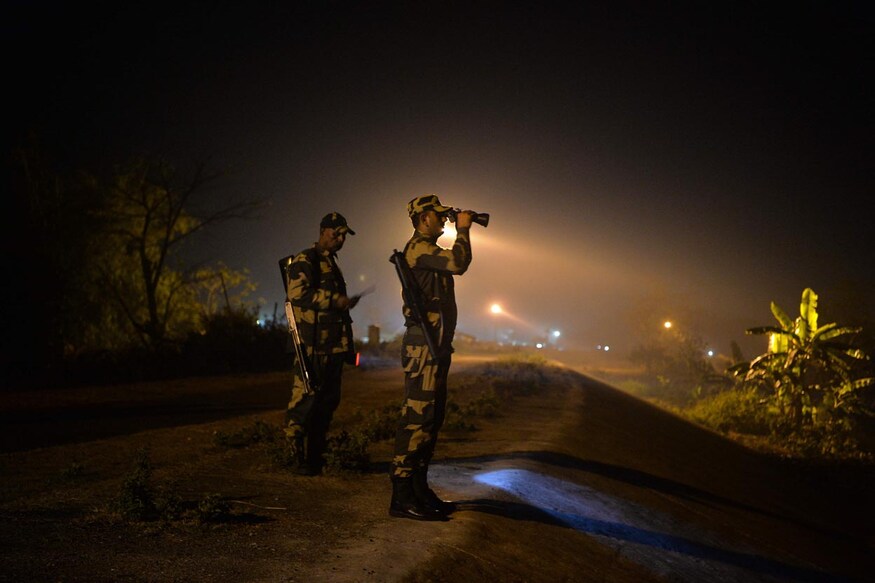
[405, 504]
[315, 453]
[427, 496]
[297, 457]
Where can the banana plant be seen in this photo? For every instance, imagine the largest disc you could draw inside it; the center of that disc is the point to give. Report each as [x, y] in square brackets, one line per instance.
[810, 370]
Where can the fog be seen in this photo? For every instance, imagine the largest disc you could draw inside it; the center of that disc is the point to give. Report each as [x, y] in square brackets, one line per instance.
[638, 163]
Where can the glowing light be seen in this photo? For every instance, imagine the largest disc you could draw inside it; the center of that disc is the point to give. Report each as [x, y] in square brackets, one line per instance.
[448, 238]
[539, 345]
[556, 333]
[667, 324]
[607, 348]
[495, 309]
[710, 353]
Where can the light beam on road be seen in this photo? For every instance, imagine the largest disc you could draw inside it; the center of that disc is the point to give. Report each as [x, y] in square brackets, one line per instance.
[671, 548]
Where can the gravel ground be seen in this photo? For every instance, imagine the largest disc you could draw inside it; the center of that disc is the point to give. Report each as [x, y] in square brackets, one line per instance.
[571, 481]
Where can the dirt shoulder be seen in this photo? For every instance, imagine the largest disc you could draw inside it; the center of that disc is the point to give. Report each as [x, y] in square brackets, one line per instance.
[571, 480]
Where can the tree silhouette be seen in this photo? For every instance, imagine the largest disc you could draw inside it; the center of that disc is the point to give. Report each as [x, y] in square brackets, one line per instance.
[147, 215]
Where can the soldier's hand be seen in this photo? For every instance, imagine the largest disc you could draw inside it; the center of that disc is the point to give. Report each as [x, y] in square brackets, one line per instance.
[464, 219]
[346, 303]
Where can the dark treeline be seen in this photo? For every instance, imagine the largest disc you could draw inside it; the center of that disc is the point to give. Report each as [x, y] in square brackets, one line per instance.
[97, 288]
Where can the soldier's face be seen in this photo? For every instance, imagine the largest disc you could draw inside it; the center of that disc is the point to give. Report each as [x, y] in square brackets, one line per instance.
[331, 239]
[434, 223]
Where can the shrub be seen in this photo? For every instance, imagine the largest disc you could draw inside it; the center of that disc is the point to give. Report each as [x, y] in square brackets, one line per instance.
[139, 499]
[72, 471]
[485, 405]
[258, 432]
[168, 503]
[458, 419]
[741, 411]
[518, 375]
[136, 500]
[381, 423]
[347, 452]
[212, 508]
[283, 454]
[635, 387]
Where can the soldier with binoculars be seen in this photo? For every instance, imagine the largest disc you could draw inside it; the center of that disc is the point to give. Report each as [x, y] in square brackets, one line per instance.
[426, 271]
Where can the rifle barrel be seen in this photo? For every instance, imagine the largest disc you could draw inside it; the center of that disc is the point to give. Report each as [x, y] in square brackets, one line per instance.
[413, 299]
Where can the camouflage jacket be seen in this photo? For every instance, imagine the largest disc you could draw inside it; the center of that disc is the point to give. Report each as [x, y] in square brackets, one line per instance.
[433, 268]
[315, 283]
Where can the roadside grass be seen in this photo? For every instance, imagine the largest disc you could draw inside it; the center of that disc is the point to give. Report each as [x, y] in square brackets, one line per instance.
[143, 499]
[745, 416]
[258, 432]
[476, 394]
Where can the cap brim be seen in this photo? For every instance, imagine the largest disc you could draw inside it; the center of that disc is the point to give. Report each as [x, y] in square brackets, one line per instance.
[440, 209]
[345, 230]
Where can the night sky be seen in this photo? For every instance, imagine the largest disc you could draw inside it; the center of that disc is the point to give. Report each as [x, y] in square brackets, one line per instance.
[712, 156]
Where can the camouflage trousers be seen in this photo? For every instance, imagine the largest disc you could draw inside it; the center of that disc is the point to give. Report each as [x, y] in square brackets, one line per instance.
[309, 416]
[425, 406]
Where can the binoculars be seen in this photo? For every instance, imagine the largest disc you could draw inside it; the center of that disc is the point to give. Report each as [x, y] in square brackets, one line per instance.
[481, 219]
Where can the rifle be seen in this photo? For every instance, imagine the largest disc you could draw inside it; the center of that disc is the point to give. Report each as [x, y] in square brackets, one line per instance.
[300, 349]
[413, 299]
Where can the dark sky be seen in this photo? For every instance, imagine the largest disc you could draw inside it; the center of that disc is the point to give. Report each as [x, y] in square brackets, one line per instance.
[711, 156]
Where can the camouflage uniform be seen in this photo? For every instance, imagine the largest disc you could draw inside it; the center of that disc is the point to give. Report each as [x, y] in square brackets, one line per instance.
[425, 377]
[315, 284]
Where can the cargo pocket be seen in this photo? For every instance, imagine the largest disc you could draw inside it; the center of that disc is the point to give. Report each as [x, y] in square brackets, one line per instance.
[413, 359]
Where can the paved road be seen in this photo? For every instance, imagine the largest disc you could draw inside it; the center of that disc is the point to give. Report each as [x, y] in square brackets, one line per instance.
[34, 419]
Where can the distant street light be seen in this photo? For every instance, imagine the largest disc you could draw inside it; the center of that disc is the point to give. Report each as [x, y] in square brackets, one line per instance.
[496, 310]
[667, 324]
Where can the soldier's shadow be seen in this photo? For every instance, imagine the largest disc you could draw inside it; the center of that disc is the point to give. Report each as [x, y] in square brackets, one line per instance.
[627, 533]
[507, 509]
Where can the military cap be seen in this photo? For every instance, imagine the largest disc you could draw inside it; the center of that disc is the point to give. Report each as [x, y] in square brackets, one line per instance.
[428, 202]
[336, 221]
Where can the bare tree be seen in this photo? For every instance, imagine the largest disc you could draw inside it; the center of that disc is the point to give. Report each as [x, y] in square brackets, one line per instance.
[148, 214]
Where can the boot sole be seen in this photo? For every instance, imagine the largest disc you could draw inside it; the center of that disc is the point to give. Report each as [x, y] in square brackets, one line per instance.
[420, 517]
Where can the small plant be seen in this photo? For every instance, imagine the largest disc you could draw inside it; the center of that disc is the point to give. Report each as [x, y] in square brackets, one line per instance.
[168, 503]
[520, 375]
[524, 360]
[635, 387]
[382, 423]
[347, 452]
[739, 411]
[284, 454]
[72, 471]
[259, 432]
[136, 500]
[139, 499]
[458, 419]
[213, 508]
[486, 405]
